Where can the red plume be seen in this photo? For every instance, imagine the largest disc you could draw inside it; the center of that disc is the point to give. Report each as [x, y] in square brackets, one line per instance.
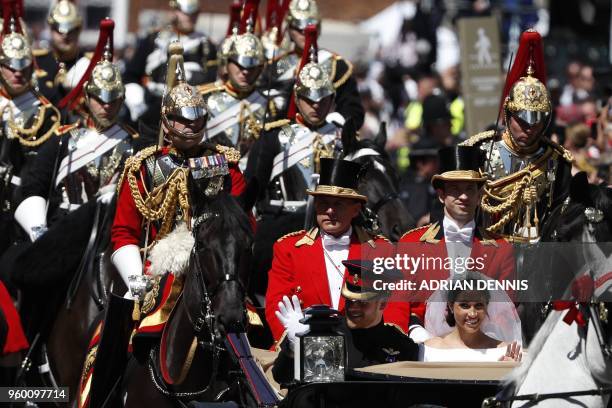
[234, 20]
[310, 43]
[250, 11]
[106, 37]
[272, 14]
[14, 9]
[530, 52]
[283, 8]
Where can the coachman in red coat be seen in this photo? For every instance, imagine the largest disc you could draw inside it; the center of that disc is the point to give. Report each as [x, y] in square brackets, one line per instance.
[309, 263]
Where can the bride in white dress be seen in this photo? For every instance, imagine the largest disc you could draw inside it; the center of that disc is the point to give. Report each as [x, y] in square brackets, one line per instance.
[471, 326]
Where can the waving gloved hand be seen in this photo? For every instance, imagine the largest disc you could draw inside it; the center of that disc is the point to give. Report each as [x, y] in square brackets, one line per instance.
[289, 313]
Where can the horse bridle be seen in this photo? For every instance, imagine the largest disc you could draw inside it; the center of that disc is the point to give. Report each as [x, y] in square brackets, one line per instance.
[597, 317]
[205, 318]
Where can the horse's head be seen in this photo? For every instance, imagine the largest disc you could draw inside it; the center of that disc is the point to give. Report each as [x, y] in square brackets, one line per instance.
[218, 275]
[379, 182]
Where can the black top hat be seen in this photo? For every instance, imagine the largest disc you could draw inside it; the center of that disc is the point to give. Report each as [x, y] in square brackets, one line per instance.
[338, 178]
[359, 282]
[459, 163]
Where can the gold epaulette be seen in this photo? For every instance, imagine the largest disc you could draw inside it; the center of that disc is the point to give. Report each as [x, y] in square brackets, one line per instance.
[563, 152]
[67, 128]
[395, 326]
[276, 124]
[88, 55]
[430, 235]
[415, 229]
[40, 52]
[212, 63]
[308, 238]
[210, 88]
[291, 234]
[478, 137]
[132, 132]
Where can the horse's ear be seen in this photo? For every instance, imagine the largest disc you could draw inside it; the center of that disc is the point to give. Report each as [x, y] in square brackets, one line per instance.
[579, 187]
[249, 195]
[349, 136]
[381, 137]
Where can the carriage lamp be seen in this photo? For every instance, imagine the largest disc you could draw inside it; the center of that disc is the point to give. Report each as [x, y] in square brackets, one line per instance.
[320, 354]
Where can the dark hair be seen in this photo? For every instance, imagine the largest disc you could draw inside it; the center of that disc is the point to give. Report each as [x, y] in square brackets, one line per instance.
[453, 295]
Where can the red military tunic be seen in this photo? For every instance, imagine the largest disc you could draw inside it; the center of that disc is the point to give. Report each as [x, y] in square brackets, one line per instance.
[298, 268]
[15, 339]
[497, 254]
[128, 226]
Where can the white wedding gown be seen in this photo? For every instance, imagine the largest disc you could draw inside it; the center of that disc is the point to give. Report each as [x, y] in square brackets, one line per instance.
[427, 353]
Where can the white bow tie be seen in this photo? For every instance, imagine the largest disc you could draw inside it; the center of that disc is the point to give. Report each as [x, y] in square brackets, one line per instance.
[330, 241]
[454, 234]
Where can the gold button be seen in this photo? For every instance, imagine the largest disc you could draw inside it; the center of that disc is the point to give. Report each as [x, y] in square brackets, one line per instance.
[298, 289]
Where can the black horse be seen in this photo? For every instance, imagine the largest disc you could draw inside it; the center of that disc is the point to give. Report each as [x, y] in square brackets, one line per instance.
[193, 363]
[384, 213]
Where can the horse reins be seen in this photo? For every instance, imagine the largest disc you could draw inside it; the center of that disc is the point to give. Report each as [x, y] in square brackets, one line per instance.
[606, 350]
[205, 317]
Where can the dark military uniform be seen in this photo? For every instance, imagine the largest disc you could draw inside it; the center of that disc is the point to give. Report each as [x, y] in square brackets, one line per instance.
[51, 74]
[280, 78]
[383, 343]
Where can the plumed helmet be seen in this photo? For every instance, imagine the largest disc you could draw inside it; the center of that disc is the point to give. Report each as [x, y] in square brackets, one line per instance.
[105, 82]
[15, 52]
[525, 95]
[64, 17]
[303, 13]
[314, 83]
[186, 6]
[246, 49]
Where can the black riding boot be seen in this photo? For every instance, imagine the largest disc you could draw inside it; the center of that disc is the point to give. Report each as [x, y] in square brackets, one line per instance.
[111, 356]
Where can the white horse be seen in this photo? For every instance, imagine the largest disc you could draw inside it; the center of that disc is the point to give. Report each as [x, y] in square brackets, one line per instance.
[566, 362]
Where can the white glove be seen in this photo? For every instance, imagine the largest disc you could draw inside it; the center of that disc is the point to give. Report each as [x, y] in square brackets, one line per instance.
[128, 262]
[419, 335]
[31, 214]
[289, 313]
[106, 193]
[135, 100]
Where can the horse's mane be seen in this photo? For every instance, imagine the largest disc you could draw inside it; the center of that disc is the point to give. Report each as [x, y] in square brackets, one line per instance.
[227, 217]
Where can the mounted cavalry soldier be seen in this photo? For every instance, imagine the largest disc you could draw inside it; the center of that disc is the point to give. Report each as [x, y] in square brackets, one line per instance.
[309, 263]
[301, 14]
[66, 199]
[154, 212]
[29, 120]
[285, 160]
[233, 27]
[146, 72]
[58, 67]
[82, 163]
[528, 173]
[236, 108]
[455, 238]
